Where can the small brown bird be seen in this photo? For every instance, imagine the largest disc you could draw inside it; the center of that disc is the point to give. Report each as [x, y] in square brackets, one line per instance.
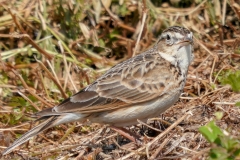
[139, 88]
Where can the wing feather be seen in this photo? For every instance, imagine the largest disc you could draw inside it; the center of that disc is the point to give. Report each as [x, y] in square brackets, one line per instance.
[108, 86]
[135, 81]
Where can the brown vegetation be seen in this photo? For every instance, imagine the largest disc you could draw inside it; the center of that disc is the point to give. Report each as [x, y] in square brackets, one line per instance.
[52, 49]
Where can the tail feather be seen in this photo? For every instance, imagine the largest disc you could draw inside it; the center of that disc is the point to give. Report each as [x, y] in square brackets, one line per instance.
[48, 123]
[34, 131]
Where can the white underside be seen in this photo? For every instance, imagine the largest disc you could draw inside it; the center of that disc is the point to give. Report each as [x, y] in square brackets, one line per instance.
[129, 115]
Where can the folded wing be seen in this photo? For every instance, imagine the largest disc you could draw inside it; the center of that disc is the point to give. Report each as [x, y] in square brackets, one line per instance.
[134, 81]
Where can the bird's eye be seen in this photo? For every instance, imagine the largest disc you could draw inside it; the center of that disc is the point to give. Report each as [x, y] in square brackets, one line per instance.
[168, 38]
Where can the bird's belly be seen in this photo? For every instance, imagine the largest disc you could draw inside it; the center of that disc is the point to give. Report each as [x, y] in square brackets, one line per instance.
[142, 111]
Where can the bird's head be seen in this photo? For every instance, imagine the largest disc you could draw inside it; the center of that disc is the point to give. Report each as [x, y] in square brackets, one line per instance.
[176, 45]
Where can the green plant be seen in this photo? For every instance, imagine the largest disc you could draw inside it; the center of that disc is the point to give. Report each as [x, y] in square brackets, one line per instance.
[232, 78]
[224, 147]
[237, 104]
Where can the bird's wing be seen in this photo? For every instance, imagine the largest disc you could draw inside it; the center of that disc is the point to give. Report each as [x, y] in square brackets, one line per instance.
[136, 80]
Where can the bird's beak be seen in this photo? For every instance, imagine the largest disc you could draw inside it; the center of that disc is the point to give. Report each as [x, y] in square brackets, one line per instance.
[186, 41]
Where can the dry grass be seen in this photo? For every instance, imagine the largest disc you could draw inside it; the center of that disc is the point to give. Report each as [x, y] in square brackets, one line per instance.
[49, 51]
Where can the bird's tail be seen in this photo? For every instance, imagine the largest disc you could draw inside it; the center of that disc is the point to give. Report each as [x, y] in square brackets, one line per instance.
[48, 123]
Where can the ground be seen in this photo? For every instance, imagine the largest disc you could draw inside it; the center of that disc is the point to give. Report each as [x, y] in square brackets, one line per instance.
[52, 49]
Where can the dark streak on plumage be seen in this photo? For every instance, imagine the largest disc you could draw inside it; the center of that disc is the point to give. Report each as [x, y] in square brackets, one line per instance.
[178, 29]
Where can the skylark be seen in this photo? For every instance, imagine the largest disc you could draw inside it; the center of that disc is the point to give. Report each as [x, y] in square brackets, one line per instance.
[141, 87]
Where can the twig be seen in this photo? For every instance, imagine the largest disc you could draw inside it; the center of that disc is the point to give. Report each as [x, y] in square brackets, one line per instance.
[166, 131]
[166, 123]
[16, 128]
[218, 73]
[126, 149]
[27, 37]
[54, 79]
[213, 66]
[142, 26]
[175, 11]
[204, 47]
[224, 103]
[156, 138]
[30, 90]
[178, 141]
[154, 155]
[224, 11]
[216, 90]
[144, 124]
[26, 98]
[117, 20]
[204, 61]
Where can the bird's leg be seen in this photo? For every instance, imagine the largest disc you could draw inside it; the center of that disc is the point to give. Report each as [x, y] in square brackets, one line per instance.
[126, 133]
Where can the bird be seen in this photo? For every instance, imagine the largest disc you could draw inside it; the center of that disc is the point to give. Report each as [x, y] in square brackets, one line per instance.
[138, 88]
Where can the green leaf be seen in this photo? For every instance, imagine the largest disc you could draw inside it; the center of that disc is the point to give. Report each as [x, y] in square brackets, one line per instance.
[219, 115]
[237, 152]
[231, 78]
[237, 104]
[18, 116]
[210, 131]
[17, 101]
[229, 143]
[113, 34]
[101, 43]
[218, 153]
